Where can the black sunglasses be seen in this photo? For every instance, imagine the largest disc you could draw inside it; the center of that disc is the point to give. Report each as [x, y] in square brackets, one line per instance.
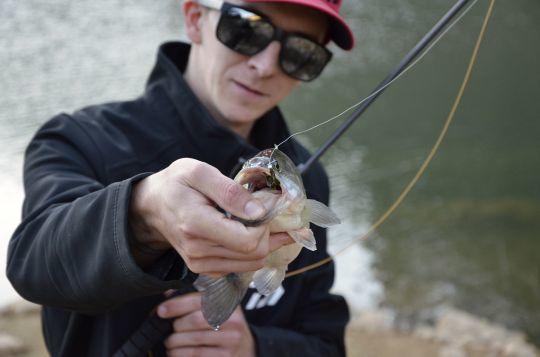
[248, 33]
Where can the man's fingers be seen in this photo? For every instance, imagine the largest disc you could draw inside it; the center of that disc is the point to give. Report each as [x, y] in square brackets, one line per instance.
[198, 338]
[198, 351]
[211, 224]
[191, 322]
[226, 193]
[180, 305]
[204, 250]
[212, 265]
[278, 240]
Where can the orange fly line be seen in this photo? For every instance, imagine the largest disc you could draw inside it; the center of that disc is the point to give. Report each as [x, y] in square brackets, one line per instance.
[426, 162]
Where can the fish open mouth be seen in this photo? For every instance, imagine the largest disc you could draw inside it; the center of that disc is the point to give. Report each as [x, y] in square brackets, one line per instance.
[265, 187]
[258, 178]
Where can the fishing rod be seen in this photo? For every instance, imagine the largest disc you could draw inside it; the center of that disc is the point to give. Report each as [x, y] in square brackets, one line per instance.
[416, 50]
[154, 329]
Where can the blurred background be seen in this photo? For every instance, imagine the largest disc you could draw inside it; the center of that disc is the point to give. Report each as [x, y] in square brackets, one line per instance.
[467, 236]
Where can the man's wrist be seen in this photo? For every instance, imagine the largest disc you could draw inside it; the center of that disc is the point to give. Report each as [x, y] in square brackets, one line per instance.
[144, 241]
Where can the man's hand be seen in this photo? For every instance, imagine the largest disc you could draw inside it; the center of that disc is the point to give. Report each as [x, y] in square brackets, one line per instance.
[192, 336]
[176, 208]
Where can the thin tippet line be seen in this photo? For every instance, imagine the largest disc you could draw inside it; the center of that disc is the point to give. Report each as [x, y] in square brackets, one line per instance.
[410, 66]
[426, 162]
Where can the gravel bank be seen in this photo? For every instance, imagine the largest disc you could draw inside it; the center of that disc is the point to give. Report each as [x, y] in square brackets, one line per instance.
[370, 334]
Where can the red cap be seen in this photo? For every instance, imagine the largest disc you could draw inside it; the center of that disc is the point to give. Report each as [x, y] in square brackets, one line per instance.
[339, 31]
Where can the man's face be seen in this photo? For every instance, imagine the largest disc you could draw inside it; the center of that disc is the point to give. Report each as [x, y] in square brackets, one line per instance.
[237, 89]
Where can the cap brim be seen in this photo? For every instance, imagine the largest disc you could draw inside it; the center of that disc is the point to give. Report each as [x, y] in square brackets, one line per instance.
[339, 31]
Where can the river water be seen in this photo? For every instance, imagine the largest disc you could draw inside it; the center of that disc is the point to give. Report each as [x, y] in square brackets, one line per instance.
[468, 234]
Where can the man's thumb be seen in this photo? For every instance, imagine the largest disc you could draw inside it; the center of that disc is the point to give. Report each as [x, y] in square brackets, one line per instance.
[227, 194]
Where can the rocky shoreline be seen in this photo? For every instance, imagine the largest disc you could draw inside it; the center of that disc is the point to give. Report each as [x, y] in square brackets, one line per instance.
[454, 333]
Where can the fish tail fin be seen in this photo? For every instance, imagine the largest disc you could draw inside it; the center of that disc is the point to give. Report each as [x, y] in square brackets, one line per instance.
[318, 213]
[304, 237]
[268, 279]
[220, 296]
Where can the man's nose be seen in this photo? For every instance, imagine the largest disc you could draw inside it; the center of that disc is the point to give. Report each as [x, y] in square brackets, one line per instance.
[266, 62]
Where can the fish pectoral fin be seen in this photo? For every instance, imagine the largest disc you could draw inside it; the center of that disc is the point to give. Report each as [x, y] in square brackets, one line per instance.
[220, 296]
[268, 279]
[318, 213]
[304, 237]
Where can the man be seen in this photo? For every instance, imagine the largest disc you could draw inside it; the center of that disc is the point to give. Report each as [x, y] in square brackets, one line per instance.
[121, 198]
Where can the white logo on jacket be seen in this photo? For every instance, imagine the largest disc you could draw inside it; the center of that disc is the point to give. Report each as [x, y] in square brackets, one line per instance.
[257, 301]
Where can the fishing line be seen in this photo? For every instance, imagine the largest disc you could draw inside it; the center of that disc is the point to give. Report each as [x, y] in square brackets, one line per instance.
[406, 69]
[410, 66]
[428, 159]
[154, 328]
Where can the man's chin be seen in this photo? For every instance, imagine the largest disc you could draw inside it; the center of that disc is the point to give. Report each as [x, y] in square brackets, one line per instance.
[244, 115]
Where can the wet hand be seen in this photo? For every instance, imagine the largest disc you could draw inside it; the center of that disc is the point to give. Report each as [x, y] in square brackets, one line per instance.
[176, 208]
[192, 336]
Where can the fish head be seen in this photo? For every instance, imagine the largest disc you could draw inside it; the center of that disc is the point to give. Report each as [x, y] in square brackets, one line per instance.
[272, 172]
[287, 175]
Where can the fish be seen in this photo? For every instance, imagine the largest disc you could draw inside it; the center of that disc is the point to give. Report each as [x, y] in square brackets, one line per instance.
[272, 177]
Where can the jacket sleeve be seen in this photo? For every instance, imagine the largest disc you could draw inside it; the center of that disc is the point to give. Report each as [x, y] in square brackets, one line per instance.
[71, 249]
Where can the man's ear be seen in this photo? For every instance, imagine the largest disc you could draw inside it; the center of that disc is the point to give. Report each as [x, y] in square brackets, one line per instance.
[192, 19]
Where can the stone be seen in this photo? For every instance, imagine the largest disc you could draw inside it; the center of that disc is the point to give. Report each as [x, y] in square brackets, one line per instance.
[20, 307]
[459, 328]
[451, 351]
[10, 346]
[380, 320]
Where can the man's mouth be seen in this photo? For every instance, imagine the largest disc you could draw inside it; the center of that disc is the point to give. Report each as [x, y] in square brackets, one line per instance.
[249, 89]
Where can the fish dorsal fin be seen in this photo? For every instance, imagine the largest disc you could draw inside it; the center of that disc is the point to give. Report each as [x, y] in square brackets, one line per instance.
[318, 213]
[304, 237]
[220, 296]
[268, 279]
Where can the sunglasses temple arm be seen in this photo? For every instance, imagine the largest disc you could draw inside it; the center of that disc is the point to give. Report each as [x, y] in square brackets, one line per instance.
[417, 49]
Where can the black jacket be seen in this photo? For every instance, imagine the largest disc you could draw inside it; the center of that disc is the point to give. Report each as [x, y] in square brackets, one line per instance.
[70, 253]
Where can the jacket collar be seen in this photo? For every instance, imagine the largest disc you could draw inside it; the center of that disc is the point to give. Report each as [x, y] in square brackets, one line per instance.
[214, 143]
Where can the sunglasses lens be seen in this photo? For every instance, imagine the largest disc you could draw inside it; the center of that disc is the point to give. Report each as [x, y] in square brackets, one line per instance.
[243, 31]
[302, 58]
[248, 33]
